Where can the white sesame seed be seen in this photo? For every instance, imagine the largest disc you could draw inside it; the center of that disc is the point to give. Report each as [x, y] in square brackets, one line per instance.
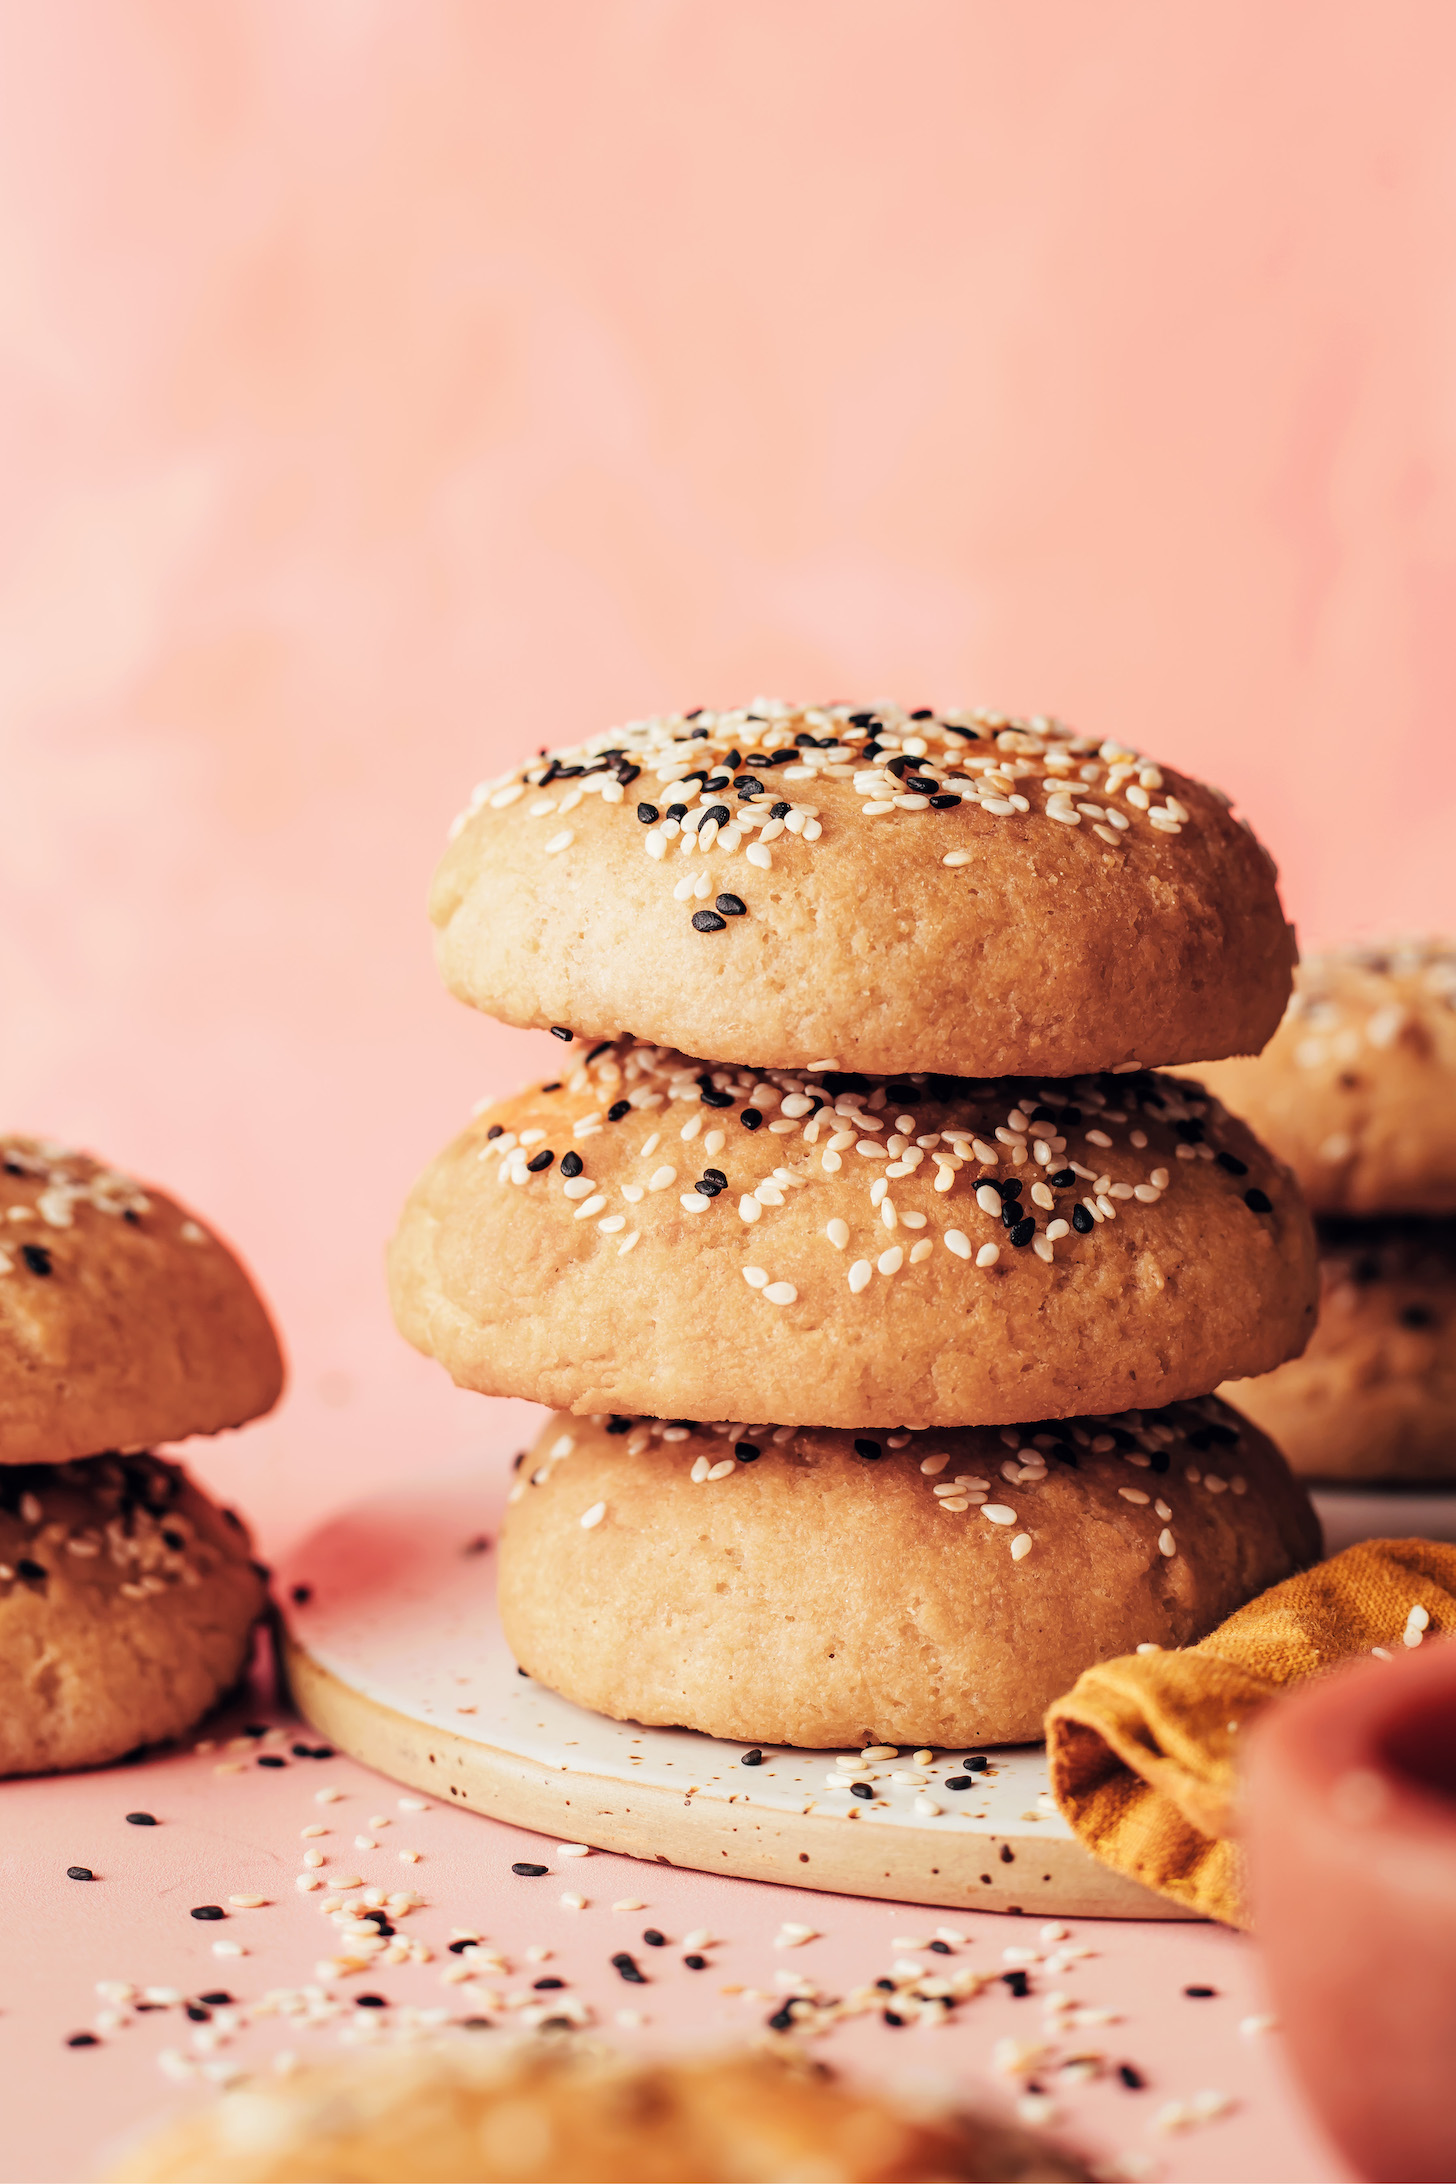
[859, 1275]
[755, 1277]
[1021, 1547]
[838, 1233]
[998, 1513]
[723, 1469]
[921, 1251]
[627, 1242]
[891, 1261]
[781, 1293]
[662, 1179]
[956, 857]
[699, 1472]
[1134, 1494]
[1167, 1545]
[988, 1254]
[589, 1206]
[592, 1517]
[560, 841]
[749, 1207]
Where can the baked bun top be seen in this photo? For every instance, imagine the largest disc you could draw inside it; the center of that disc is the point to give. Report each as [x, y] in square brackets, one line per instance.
[877, 890]
[671, 1236]
[123, 1320]
[551, 2114]
[1357, 1088]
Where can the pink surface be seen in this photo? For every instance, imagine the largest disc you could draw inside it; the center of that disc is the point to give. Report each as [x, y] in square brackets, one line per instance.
[384, 389]
[239, 1834]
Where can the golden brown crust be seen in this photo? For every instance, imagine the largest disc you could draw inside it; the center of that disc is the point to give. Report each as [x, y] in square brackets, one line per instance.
[542, 1292]
[828, 1591]
[1357, 1088]
[123, 1321]
[1106, 922]
[546, 2115]
[1374, 1395]
[126, 1603]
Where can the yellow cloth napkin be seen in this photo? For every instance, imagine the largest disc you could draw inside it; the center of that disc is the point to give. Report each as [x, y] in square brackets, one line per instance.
[1144, 1750]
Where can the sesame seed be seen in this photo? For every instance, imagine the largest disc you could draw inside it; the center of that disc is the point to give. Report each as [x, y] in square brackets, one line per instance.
[592, 1517]
[860, 1275]
[781, 1293]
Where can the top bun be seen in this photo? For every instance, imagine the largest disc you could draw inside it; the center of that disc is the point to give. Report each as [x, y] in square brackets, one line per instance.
[123, 1321]
[961, 892]
[1357, 1090]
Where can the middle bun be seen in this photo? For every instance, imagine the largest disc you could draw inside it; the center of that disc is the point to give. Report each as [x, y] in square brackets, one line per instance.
[662, 1235]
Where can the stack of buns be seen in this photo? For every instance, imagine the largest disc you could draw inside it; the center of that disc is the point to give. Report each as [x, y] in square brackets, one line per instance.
[1357, 1091]
[127, 1596]
[879, 1282]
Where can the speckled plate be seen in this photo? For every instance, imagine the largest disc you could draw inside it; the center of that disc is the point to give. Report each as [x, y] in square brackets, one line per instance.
[395, 1654]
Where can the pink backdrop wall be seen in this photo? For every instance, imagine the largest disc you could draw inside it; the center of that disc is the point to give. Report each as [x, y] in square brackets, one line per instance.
[390, 386]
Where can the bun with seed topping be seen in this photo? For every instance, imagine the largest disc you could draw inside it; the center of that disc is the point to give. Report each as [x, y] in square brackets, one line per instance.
[123, 1321]
[778, 1585]
[879, 890]
[554, 2112]
[1374, 1395]
[1357, 1088]
[653, 1233]
[127, 1599]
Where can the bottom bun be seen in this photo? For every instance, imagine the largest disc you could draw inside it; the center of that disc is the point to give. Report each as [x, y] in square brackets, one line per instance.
[794, 1586]
[556, 2113]
[127, 1599]
[1374, 1396]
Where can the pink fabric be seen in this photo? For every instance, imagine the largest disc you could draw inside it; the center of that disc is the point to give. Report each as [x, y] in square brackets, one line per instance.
[389, 387]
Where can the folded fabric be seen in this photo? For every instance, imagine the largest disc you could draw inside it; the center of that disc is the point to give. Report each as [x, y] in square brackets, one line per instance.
[1144, 1750]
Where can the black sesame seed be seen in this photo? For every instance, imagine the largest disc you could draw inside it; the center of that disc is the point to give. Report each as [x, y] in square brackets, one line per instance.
[216, 1998]
[751, 1118]
[255, 1729]
[36, 1257]
[527, 1871]
[207, 1911]
[861, 1789]
[746, 1452]
[753, 1758]
[554, 1086]
[1258, 1201]
[549, 1983]
[1232, 1163]
[628, 1969]
[717, 1177]
[781, 2021]
[653, 1938]
[732, 906]
[141, 1819]
[720, 812]
[82, 2039]
[780, 811]
[806, 741]
[198, 2014]
[711, 1098]
[648, 814]
[748, 786]
[370, 2002]
[1082, 1221]
[572, 1164]
[869, 1450]
[626, 774]
[958, 1782]
[1131, 2078]
[1022, 1232]
[919, 786]
[617, 1424]
[1019, 1984]
[539, 1161]
[600, 1048]
[618, 1109]
[79, 1873]
[1011, 1189]
[706, 1188]
[458, 1948]
[696, 1963]
[923, 712]
[892, 2017]
[943, 802]
[976, 1762]
[1200, 1994]
[677, 811]
[940, 1948]
[497, 1129]
[1063, 1180]
[559, 1031]
[271, 1759]
[708, 921]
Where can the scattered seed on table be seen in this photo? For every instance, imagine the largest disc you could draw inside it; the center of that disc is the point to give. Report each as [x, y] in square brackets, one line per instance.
[755, 1757]
[79, 1873]
[1132, 2078]
[141, 1819]
[1200, 1994]
[629, 1969]
[653, 1938]
[207, 1911]
[529, 1872]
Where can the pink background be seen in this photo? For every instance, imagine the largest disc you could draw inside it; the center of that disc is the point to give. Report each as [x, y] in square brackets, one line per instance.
[390, 387]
